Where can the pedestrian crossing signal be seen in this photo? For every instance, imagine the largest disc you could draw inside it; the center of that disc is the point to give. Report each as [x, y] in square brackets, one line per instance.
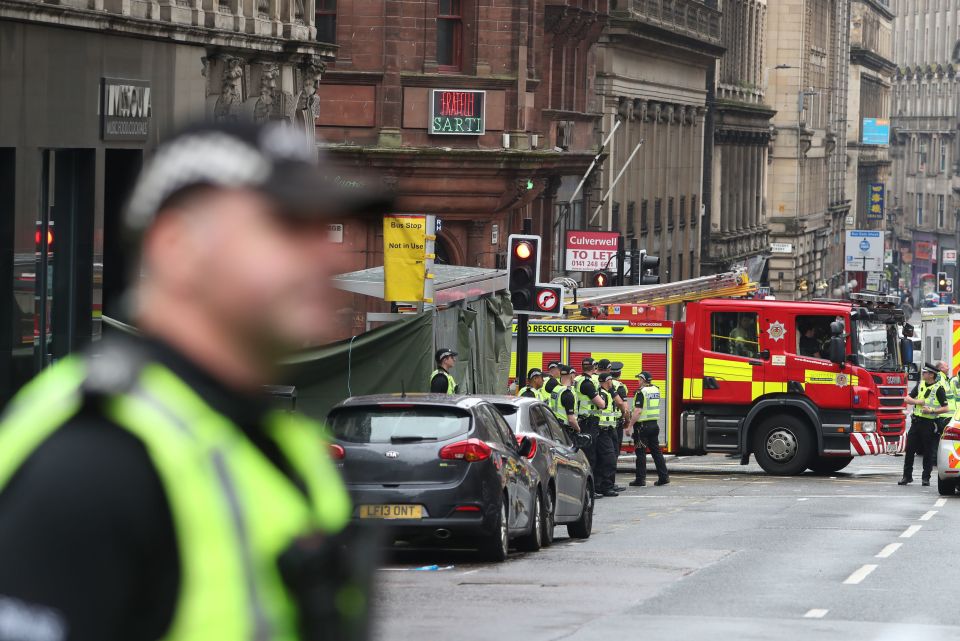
[601, 278]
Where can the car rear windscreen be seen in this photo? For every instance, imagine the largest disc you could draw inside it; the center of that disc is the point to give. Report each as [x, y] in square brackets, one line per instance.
[376, 424]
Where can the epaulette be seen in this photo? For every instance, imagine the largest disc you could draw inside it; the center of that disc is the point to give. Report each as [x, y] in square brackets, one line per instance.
[113, 369]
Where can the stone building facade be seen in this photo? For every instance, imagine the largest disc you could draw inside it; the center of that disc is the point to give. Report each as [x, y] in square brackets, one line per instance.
[926, 104]
[735, 231]
[89, 87]
[808, 60]
[652, 71]
[871, 74]
[535, 63]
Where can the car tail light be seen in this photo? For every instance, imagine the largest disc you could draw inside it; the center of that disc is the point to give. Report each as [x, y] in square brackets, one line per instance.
[952, 433]
[533, 446]
[471, 450]
[467, 508]
[337, 452]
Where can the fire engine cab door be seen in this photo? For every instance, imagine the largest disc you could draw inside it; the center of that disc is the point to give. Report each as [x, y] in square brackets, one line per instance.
[733, 367]
[798, 361]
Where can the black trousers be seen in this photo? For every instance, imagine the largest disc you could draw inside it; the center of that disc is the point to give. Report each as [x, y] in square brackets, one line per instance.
[647, 435]
[619, 436]
[922, 440]
[605, 472]
[590, 425]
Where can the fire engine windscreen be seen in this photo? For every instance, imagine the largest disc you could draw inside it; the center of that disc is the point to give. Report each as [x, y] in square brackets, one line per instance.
[877, 345]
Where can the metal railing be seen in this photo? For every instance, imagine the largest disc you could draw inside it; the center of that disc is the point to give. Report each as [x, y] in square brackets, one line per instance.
[692, 17]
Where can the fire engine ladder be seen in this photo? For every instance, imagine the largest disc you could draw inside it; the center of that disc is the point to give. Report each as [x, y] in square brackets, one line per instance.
[727, 284]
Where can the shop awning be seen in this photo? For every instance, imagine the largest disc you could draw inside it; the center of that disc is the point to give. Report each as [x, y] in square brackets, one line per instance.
[452, 283]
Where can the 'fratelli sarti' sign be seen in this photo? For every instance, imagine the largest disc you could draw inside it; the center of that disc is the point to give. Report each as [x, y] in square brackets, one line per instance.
[457, 112]
[125, 109]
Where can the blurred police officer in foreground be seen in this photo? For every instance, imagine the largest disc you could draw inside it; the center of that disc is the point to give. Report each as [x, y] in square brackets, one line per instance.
[646, 431]
[929, 400]
[441, 381]
[147, 491]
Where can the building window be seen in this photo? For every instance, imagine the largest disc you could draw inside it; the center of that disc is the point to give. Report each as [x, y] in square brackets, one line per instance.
[657, 215]
[734, 333]
[692, 263]
[943, 155]
[941, 212]
[694, 211]
[326, 21]
[679, 266]
[919, 210]
[631, 223]
[643, 216]
[922, 156]
[670, 213]
[449, 35]
[615, 217]
[683, 213]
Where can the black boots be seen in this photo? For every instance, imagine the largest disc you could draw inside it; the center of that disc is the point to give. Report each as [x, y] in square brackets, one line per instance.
[907, 479]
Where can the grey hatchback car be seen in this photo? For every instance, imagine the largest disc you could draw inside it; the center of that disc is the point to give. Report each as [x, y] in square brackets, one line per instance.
[439, 469]
[563, 468]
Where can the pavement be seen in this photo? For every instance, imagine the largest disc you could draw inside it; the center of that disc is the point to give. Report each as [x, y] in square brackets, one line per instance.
[722, 552]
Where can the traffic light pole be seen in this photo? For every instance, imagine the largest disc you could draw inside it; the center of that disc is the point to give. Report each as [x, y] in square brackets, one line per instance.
[621, 259]
[523, 331]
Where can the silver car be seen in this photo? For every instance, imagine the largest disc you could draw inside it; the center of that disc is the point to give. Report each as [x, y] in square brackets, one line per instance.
[560, 463]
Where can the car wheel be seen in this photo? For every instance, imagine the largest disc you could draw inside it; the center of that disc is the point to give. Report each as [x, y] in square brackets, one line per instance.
[582, 527]
[946, 487]
[549, 519]
[533, 541]
[496, 546]
[783, 445]
[824, 465]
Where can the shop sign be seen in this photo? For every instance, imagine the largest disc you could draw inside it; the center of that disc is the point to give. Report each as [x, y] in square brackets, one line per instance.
[457, 112]
[404, 257]
[588, 251]
[949, 256]
[875, 202]
[781, 248]
[922, 250]
[336, 233]
[125, 109]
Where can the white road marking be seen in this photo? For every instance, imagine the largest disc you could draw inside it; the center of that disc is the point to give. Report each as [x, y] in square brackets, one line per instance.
[928, 515]
[860, 574]
[910, 531]
[815, 613]
[469, 572]
[804, 500]
[940, 503]
[890, 549]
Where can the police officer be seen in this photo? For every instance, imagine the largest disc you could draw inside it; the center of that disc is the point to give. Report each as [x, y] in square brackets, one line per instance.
[589, 404]
[951, 392]
[621, 397]
[646, 431]
[553, 377]
[605, 472]
[534, 386]
[563, 401]
[930, 401]
[149, 492]
[441, 380]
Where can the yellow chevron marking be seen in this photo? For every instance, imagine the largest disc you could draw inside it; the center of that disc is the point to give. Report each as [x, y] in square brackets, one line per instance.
[728, 370]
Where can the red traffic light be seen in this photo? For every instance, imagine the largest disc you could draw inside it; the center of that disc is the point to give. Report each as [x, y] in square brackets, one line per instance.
[37, 237]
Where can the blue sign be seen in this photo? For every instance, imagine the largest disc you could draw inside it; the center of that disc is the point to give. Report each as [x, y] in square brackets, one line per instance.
[875, 201]
[864, 245]
[876, 131]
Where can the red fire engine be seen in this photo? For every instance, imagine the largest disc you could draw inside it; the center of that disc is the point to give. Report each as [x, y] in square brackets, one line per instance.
[797, 384]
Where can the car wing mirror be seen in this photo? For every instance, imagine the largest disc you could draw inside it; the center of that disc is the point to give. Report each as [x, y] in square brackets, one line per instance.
[525, 446]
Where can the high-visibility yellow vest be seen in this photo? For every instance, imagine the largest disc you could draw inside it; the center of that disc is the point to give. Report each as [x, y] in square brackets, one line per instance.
[539, 394]
[557, 406]
[233, 511]
[451, 384]
[651, 403]
[955, 389]
[608, 415]
[617, 386]
[929, 399]
[585, 406]
[950, 388]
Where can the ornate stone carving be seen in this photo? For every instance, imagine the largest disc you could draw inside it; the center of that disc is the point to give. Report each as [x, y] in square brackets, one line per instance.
[639, 109]
[657, 112]
[671, 112]
[264, 108]
[311, 71]
[625, 108]
[231, 90]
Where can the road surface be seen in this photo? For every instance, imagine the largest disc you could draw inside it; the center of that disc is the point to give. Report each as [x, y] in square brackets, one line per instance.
[723, 552]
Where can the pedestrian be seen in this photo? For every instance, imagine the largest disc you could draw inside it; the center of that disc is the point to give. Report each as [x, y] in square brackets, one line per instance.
[441, 380]
[553, 377]
[147, 489]
[929, 401]
[605, 472]
[563, 400]
[534, 386]
[646, 431]
[589, 404]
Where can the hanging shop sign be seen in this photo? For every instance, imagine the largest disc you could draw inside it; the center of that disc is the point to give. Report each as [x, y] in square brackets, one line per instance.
[457, 112]
[125, 109]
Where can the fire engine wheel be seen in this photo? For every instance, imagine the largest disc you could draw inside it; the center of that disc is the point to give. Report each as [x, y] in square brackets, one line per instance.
[783, 445]
[824, 465]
